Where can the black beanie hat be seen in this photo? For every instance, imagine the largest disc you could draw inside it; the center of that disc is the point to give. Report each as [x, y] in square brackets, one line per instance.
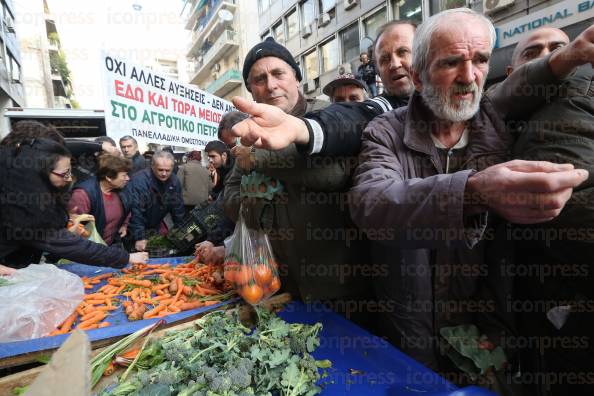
[268, 47]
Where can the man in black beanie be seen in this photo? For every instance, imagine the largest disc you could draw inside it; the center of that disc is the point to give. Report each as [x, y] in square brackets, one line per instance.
[272, 76]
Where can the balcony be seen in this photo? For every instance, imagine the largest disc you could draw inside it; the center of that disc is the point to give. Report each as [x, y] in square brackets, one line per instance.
[227, 42]
[226, 83]
[208, 22]
[62, 102]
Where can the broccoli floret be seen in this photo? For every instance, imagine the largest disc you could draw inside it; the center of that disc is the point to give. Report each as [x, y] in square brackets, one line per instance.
[221, 384]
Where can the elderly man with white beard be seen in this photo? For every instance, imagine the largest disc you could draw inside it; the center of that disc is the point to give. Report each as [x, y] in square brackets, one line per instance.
[434, 173]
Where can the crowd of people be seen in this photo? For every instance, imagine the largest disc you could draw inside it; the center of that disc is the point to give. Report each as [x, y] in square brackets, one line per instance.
[440, 215]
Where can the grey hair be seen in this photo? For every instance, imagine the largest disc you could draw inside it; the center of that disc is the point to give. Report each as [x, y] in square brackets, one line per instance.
[162, 154]
[422, 40]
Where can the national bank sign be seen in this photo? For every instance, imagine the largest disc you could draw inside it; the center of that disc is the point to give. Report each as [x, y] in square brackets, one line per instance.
[559, 15]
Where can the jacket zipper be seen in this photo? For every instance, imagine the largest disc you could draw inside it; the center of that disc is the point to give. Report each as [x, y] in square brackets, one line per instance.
[448, 155]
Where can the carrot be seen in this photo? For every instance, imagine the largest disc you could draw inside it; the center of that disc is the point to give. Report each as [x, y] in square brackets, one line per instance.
[187, 290]
[103, 324]
[94, 320]
[154, 311]
[95, 302]
[87, 286]
[210, 302]
[109, 370]
[93, 296]
[107, 308]
[160, 287]
[91, 315]
[137, 282]
[103, 276]
[174, 309]
[67, 324]
[131, 354]
[180, 289]
[191, 305]
[203, 291]
[80, 311]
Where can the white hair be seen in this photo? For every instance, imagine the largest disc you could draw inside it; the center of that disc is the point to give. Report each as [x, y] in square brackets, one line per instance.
[422, 40]
[162, 154]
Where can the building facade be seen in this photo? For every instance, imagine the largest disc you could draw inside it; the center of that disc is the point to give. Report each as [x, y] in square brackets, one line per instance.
[327, 35]
[46, 76]
[222, 32]
[11, 87]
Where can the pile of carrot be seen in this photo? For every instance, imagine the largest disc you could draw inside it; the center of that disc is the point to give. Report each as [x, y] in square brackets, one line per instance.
[147, 291]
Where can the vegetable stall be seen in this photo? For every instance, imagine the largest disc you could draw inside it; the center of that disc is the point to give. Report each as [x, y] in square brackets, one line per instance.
[215, 344]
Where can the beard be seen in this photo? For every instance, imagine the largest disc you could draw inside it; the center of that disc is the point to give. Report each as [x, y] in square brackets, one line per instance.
[442, 105]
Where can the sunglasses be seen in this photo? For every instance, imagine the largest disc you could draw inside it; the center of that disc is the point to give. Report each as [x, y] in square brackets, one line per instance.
[65, 175]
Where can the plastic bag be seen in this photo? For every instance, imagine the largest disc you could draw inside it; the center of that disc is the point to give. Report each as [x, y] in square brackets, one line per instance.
[90, 233]
[250, 264]
[36, 300]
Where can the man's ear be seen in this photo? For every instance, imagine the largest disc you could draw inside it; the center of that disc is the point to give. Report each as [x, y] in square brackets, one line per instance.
[416, 77]
[508, 70]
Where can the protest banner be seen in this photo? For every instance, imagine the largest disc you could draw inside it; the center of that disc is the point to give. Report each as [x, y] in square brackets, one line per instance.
[157, 109]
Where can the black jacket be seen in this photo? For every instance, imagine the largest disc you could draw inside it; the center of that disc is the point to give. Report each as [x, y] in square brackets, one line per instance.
[33, 214]
[151, 200]
[336, 130]
[366, 72]
[138, 163]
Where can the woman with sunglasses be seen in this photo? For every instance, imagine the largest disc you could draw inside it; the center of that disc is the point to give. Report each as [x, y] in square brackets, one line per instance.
[35, 179]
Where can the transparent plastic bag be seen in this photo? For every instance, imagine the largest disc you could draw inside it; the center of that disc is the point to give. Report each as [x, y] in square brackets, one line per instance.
[249, 264]
[36, 300]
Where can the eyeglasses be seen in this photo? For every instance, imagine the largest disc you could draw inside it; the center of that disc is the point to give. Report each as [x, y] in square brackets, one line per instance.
[65, 175]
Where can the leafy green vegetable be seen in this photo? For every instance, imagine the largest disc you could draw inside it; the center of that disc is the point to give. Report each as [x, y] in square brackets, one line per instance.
[222, 357]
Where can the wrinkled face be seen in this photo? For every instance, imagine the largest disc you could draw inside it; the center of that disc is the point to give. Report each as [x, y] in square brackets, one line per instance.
[272, 81]
[162, 169]
[537, 45]
[348, 93]
[61, 174]
[119, 181]
[393, 54]
[457, 66]
[128, 148]
[217, 160]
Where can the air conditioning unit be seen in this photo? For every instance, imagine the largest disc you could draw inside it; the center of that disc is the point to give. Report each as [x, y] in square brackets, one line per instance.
[491, 6]
[324, 19]
[9, 26]
[348, 4]
[309, 86]
[306, 32]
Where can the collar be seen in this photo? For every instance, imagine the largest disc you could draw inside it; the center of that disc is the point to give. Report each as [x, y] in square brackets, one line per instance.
[463, 142]
[300, 107]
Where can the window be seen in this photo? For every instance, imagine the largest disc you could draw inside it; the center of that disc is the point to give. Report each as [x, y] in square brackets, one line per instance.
[308, 13]
[278, 33]
[263, 5]
[292, 23]
[441, 5]
[329, 52]
[326, 5]
[373, 22]
[350, 43]
[15, 70]
[408, 9]
[266, 34]
[311, 65]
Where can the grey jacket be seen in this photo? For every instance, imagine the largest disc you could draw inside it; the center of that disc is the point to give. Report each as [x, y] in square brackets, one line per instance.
[195, 183]
[443, 265]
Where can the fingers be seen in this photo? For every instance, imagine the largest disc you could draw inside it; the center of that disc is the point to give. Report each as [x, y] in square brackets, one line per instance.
[244, 105]
[540, 182]
[537, 166]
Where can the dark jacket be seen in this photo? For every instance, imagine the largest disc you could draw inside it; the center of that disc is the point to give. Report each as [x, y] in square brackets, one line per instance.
[400, 187]
[151, 201]
[93, 190]
[138, 163]
[33, 215]
[224, 172]
[312, 237]
[367, 73]
[562, 131]
[336, 129]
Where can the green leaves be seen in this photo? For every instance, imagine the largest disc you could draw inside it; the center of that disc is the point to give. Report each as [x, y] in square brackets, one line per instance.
[224, 357]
